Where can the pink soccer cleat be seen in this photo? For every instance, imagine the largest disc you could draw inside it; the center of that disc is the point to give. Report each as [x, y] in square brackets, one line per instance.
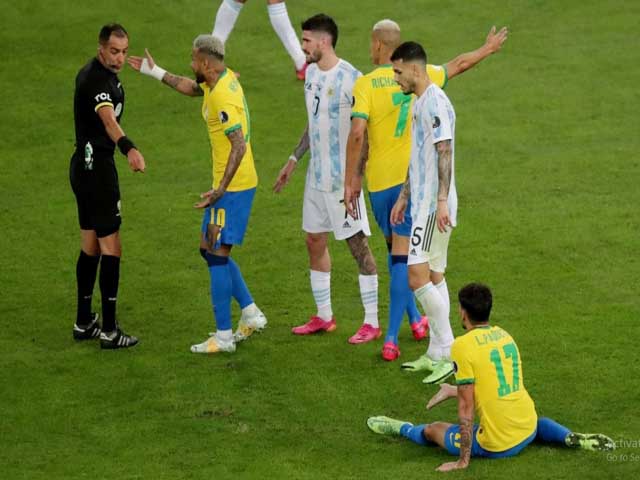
[314, 325]
[390, 352]
[420, 329]
[365, 334]
[301, 74]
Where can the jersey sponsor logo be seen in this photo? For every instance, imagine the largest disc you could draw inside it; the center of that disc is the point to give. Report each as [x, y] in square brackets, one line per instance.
[436, 122]
[118, 109]
[103, 97]
[346, 225]
[413, 252]
[224, 117]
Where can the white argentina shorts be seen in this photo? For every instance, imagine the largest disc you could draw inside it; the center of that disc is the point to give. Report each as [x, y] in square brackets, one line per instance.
[324, 212]
[427, 244]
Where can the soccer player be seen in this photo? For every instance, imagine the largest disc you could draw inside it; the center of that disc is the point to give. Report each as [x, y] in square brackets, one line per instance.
[383, 113]
[229, 11]
[98, 107]
[431, 185]
[490, 385]
[228, 204]
[328, 94]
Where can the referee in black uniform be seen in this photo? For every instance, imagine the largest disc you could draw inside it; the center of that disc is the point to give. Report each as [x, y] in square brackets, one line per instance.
[98, 107]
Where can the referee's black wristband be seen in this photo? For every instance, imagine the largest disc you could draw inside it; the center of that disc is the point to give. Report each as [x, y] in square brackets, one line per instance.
[125, 144]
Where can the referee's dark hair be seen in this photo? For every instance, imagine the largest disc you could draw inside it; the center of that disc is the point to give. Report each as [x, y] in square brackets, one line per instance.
[322, 23]
[410, 52]
[476, 300]
[111, 29]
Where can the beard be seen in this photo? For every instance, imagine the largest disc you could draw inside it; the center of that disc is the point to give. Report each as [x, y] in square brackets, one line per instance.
[199, 77]
[313, 57]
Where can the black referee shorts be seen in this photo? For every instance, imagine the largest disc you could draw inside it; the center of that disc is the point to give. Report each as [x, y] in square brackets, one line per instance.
[97, 196]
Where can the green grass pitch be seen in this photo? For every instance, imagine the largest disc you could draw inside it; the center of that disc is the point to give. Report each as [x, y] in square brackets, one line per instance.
[547, 172]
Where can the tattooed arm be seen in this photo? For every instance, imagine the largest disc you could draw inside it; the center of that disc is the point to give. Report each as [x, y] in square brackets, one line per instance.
[465, 414]
[238, 149]
[444, 181]
[147, 66]
[357, 152]
[303, 144]
[398, 210]
[184, 85]
[285, 173]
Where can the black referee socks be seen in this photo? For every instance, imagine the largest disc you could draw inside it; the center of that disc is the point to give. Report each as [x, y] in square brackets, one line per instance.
[109, 278]
[86, 270]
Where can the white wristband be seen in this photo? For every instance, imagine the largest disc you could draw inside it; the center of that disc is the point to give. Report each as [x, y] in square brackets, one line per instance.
[293, 157]
[155, 72]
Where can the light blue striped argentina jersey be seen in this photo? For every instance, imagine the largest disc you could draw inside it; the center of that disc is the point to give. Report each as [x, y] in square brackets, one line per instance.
[328, 96]
[434, 120]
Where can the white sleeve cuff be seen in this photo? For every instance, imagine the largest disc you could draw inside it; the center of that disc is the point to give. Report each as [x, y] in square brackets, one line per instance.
[155, 72]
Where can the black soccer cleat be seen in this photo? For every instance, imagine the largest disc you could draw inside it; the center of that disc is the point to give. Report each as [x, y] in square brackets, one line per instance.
[117, 339]
[90, 332]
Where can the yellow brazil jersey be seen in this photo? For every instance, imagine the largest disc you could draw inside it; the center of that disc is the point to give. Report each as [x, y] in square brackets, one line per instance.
[225, 110]
[489, 358]
[378, 99]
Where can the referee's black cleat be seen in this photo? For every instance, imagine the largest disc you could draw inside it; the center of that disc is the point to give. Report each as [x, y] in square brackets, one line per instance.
[116, 339]
[88, 332]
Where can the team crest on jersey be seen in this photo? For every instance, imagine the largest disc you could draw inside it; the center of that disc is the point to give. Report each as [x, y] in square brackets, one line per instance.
[436, 122]
[330, 92]
[224, 117]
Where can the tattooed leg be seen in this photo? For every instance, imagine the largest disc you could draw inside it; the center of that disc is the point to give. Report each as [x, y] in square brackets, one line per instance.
[362, 253]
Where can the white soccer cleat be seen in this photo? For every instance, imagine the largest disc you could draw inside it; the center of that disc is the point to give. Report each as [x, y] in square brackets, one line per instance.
[249, 324]
[214, 345]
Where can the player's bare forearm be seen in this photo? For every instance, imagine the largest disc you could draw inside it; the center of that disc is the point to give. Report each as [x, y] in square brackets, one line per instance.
[466, 432]
[303, 145]
[364, 155]
[465, 61]
[466, 413]
[238, 149]
[355, 149]
[444, 169]
[405, 192]
[184, 85]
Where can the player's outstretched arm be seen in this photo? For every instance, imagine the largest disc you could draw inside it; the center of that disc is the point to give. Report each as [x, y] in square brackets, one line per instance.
[465, 61]
[147, 66]
[357, 153]
[238, 149]
[465, 413]
[108, 117]
[445, 393]
[285, 173]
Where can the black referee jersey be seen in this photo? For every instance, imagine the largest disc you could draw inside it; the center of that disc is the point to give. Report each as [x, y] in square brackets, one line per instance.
[96, 86]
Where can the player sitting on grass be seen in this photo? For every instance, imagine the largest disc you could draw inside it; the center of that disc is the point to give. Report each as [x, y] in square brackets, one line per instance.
[488, 374]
